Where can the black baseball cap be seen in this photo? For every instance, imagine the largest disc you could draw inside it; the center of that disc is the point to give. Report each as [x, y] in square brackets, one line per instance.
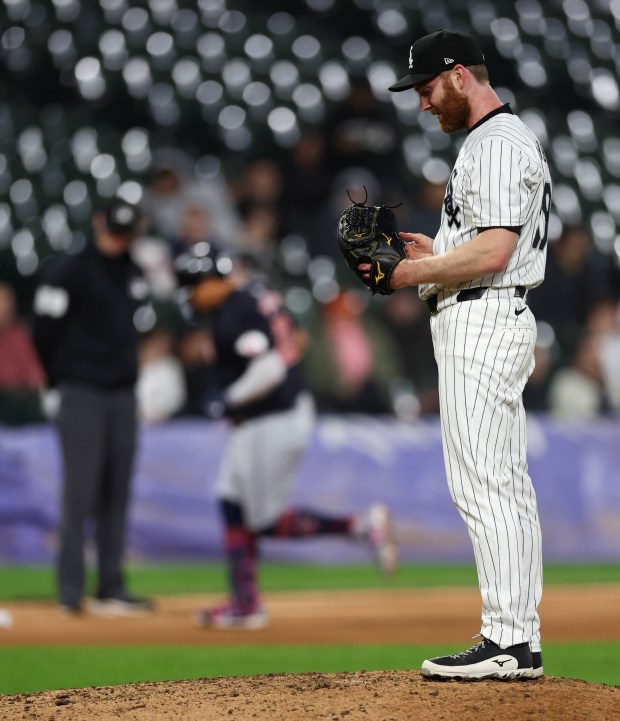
[431, 55]
[122, 217]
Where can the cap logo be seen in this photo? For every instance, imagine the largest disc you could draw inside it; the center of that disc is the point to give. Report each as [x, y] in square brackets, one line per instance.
[411, 58]
[447, 61]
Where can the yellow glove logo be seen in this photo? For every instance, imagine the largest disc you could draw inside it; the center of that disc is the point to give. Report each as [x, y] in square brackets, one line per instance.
[388, 238]
[379, 274]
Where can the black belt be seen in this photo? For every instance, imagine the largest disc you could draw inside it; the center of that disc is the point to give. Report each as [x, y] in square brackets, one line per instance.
[471, 294]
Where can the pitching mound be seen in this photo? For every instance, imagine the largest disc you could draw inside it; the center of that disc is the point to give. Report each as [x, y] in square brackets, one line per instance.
[382, 616]
[376, 695]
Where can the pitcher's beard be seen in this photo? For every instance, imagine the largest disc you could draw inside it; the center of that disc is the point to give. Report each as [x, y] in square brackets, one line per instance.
[453, 111]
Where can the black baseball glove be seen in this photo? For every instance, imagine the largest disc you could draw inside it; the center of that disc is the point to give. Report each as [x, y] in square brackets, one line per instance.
[368, 234]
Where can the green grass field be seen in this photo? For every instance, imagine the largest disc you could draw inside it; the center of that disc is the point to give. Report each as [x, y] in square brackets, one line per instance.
[31, 583]
[28, 669]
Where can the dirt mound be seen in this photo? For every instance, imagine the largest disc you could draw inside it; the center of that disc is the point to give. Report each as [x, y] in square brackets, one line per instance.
[376, 695]
[382, 616]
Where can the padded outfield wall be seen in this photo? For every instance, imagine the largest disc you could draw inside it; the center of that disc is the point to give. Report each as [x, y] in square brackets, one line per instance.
[351, 462]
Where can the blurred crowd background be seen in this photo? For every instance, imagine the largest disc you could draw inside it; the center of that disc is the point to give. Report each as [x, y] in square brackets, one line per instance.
[245, 123]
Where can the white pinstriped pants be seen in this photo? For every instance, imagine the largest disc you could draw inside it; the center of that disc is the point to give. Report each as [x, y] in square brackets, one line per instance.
[485, 354]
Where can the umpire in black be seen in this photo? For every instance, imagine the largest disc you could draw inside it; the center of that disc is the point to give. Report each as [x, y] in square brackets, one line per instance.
[84, 331]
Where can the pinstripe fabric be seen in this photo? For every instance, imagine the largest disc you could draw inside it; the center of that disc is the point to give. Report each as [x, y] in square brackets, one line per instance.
[500, 179]
[484, 352]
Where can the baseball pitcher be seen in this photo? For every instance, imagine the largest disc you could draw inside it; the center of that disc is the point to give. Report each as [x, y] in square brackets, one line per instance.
[475, 276]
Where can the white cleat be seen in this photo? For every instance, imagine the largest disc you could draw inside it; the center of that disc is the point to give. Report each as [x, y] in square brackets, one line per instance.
[226, 618]
[484, 660]
[376, 529]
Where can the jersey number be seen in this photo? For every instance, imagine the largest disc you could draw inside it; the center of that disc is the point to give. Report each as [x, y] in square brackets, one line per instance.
[540, 239]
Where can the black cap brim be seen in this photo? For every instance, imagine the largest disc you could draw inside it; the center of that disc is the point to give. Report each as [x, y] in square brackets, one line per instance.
[410, 81]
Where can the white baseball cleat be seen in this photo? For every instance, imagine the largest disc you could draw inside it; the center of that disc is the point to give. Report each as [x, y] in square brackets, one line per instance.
[227, 617]
[484, 660]
[375, 526]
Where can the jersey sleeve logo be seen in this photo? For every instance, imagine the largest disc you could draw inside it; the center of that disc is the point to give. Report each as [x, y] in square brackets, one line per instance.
[451, 210]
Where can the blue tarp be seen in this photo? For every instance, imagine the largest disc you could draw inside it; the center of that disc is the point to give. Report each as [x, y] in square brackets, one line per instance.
[351, 462]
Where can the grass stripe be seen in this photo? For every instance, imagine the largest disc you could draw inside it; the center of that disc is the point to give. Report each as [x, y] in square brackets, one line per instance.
[27, 582]
[28, 669]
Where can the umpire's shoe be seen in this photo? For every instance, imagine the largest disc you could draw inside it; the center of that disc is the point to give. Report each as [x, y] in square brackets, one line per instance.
[484, 660]
[122, 605]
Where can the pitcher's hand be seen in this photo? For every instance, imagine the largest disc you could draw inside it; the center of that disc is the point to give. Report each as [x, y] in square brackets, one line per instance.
[417, 245]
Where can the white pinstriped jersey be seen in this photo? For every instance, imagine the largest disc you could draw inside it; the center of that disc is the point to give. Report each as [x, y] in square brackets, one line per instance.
[500, 179]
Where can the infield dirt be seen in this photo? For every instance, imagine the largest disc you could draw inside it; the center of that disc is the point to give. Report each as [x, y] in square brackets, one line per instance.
[344, 617]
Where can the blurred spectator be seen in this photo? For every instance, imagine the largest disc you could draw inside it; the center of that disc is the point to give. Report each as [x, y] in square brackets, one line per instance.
[427, 208]
[21, 374]
[161, 391]
[154, 257]
[610, 368]
[260, 185]
[259, 198]
[418, 206]
[360, 133]
[603, 320]
[85, 308]
[352, 359]
[405, 316]
[577, 392]
[169, 194]
[536, 391]
[164, 200]
[195, 226]
[605, 326]
[577, 280]
[308, 175]
[260, 233]
[196, 353]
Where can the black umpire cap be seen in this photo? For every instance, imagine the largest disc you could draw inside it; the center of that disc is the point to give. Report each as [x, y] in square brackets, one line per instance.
[122, 218]
[431, 55]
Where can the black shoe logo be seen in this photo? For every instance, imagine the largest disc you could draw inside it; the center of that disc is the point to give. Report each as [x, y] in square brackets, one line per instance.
[501, 663]
[519, 311]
